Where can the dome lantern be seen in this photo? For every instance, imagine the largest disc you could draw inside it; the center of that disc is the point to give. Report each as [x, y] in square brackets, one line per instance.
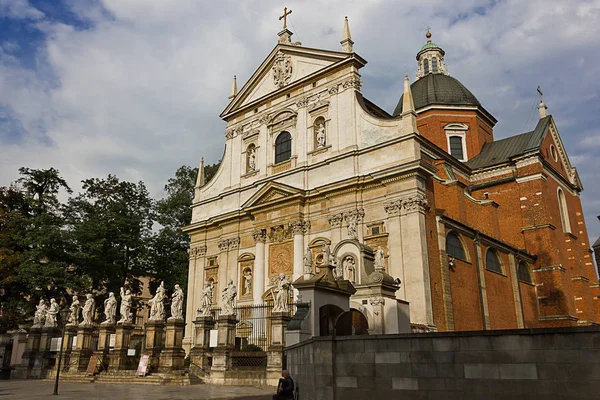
[430, 59]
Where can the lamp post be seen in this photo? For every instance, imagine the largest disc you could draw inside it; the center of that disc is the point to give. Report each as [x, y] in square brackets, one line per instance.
[64, 315]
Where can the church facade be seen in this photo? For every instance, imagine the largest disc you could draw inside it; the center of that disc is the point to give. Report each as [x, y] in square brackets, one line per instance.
[481, 233]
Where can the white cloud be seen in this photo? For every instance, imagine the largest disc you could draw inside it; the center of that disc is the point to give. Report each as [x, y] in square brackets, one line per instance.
[138, 94]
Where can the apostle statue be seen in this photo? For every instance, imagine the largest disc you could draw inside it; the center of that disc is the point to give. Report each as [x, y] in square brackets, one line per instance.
[252, 159]
[248, 281]
[207, 299]
[39, 318]
[308, 261]
[88, 310]
[110, 309]
[125, 310]
[177, 303]
[51, 314]
[157, 307]
[349, 265]
[379, 259]
[75, 309]
[320, 136]
[282, 294]
[228, 299]
[326, 255]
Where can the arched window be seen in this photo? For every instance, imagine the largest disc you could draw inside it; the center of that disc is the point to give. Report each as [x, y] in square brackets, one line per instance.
[456, 147]
[564, 213]
[523, 273]
[434, 65]
[426, 66]
[454, 247]
[492, 262]
[283, 147]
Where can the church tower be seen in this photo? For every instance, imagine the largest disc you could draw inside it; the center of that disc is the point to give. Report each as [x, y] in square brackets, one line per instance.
[431, 59]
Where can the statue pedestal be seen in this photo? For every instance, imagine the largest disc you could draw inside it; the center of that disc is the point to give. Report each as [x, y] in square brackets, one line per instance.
[105, 331]
[67, 344]
[199, 353]
[154, 342]
[80, 357]
[172, 356]
[279, 322]
[225, 343]
[31, 349]
[44, 358]
[118, 357]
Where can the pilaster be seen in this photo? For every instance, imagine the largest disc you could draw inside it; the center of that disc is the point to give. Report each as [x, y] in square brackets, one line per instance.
[118, 357]
[260, 236]
[172, 356]
[80, 357]
[154, 342]
[225, 343]
[199, 353]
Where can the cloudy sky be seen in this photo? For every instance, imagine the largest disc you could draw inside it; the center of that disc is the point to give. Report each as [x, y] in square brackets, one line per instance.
[135, 87]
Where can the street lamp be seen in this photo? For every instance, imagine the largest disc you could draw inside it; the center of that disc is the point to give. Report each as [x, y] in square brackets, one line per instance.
[64, 315]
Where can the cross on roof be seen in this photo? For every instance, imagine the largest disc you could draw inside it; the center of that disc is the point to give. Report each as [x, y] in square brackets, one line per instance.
[284, 17]
[539, 90]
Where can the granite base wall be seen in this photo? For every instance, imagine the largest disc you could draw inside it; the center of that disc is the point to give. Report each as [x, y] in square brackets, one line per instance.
[560, 363]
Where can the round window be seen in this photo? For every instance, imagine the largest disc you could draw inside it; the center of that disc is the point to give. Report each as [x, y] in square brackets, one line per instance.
[553, 152]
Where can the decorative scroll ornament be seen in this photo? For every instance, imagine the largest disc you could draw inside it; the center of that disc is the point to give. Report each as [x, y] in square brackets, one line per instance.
[234, 243]
[393, 207]
[418, 202]
[299, 227]
[352, 83]
[223, 244]
[259, 235]
[279, 234]
[375, 301]
[264, 119]
[282, 70]
[229, 134]
[352, 218]
[335, 220]
[333, 90]
[198, 252]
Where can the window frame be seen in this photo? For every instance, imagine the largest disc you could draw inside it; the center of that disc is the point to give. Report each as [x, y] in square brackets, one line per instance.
[494, 252]
[462, 246]
[289, 150]
[563, 209]
[434, 65]
[460, 130]
[426, 66]
[523, 265]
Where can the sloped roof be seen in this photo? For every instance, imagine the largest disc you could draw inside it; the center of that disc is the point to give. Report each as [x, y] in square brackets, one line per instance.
[596, 243]
[501, 151]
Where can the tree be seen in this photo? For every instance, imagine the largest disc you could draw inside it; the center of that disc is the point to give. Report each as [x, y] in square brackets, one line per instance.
[110, 224]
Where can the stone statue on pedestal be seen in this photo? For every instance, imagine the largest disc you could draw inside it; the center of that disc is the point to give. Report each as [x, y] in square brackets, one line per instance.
[75, 308]
[379, 259]
[207, 299]
[157, 307]
[125, 310]
[39, 318]
[228, 299]
[110, 309]
[51, 314]
[282, 297]
[320, 136]
[308, 261]
[88, 310]
[177, 303]
[326, 255]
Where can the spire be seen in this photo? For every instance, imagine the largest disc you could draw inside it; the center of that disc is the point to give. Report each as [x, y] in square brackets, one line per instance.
[409, 116]
[541, 107]
[347, 39]
[200, 179]
[233, 88]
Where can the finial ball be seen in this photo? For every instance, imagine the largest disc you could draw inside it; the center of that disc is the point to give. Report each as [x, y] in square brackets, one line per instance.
[428, 35]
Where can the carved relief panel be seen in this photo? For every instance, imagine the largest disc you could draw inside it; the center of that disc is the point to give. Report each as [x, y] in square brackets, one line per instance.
[281, 258]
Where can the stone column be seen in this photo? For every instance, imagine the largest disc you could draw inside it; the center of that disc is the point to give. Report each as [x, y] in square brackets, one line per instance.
[395, 262]
[279, 323]
[225, 343]
[259, 266]
[31, 348]
[299, 228]
[199, 353]
[154, 342]
[44, 357]
[195, 286]
[222, 271]
[80, 357]
[105, 330]
[416, 261]
[118, 357]
[171, 357]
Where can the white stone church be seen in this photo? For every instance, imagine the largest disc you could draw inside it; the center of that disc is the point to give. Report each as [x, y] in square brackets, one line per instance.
[309, 161]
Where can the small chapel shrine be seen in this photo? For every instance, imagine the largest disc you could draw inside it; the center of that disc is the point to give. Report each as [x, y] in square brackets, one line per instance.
[467, 232]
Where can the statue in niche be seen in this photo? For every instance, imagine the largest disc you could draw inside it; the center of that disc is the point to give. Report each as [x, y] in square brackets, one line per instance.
[251, 158]
[352, 227]
[349, 265]
[320, 135]
[39, 318]
[207, 299]
[338, 272]
[308, 261]
[51, 314]
[247, 281]
[379, 259]
[125, 310]
[228, 299]
[326, 255]
[75, 309]
[282, 294]
[110, 309]
[177, 303]
[157, 306]
[88, 310]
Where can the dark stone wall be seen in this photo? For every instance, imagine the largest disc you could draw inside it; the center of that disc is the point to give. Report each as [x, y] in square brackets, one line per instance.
[558, 363]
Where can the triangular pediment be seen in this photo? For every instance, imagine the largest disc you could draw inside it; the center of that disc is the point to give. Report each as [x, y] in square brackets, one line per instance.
[285, 66]
[272, 193]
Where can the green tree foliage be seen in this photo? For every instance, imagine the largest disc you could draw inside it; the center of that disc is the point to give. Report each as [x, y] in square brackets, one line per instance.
[110, 225]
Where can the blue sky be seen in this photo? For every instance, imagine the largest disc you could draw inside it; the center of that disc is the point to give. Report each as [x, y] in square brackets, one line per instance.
[135, 87]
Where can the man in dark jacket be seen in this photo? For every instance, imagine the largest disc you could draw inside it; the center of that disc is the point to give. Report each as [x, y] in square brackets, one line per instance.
[285, 387]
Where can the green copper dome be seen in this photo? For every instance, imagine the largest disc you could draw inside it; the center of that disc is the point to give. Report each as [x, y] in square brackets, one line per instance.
[429, 45]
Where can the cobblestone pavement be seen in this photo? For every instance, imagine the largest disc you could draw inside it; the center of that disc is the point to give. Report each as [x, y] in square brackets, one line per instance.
[37, 389]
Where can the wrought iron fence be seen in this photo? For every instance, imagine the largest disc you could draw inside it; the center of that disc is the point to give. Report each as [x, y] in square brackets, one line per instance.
[253, 330]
